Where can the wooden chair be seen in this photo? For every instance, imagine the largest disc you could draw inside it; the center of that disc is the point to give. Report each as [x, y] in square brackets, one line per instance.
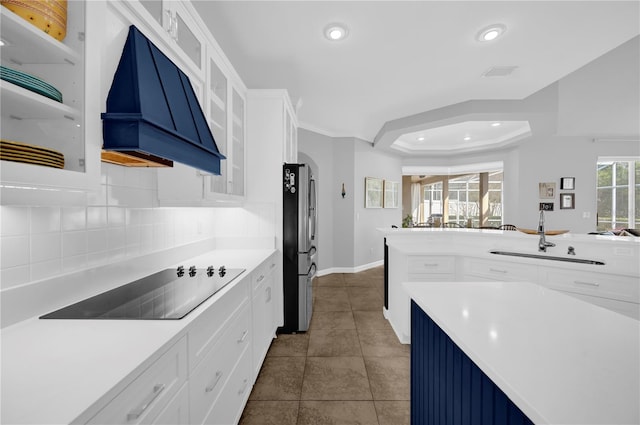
[488, 228]
[507, 227]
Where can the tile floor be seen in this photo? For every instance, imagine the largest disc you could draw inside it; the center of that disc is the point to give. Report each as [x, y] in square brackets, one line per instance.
[349, 368]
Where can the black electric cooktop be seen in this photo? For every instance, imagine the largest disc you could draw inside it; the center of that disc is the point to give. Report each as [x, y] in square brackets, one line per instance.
[168, 294]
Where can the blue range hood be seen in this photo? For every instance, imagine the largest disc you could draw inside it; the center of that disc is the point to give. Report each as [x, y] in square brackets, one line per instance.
[153, 116]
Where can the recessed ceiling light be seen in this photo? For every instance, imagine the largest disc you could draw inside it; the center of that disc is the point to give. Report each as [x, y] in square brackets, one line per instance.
[421, 138]
[336, 32]
[2, 43]
[467, 138]
[491, 32]
[496, 124]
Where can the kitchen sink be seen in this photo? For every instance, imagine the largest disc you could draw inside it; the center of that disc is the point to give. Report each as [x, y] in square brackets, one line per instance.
[548, 257]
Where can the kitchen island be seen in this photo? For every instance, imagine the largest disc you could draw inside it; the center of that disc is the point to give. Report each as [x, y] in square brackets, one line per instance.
[558, 359]
[601, 270]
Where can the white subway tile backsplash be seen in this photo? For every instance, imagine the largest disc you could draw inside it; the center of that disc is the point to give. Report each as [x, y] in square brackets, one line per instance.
[72, 264]
[74, 218]
[115, 216]
[14, 251]
[46, 269]
[15, 221]
[121, 220]
[45, 247]
[74, 243]
[96, 241]
[96, 217]
[116, 238]
[14, 276]
[45, 219]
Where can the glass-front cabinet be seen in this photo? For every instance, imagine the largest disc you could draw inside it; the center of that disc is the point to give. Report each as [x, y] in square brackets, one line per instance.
[49, 92]
[237, 145]
[175, 23]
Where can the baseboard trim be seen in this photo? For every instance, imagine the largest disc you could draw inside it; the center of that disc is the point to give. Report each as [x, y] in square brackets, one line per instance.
[357, 269]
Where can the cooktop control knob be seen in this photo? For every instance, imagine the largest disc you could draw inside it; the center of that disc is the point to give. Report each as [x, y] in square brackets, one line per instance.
[210, 271]
[192, 271]
[222, 271]
[180, 271]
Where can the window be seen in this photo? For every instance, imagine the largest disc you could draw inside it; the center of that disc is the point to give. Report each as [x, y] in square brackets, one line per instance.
[432, 200]
[618, 193]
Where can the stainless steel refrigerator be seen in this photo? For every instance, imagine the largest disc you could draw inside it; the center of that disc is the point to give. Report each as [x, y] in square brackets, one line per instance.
[299, 246]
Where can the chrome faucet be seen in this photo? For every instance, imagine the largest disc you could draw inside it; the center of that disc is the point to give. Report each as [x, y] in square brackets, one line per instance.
[543, 244]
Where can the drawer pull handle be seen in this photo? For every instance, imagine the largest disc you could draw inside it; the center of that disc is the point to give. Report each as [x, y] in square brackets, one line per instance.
[137, 412]
[261, 278]
[268, 291]
[212, 385]
[581, 282]
[243, 337]
[272, 265]
[244, 387]
[431, 264]
[497, 270]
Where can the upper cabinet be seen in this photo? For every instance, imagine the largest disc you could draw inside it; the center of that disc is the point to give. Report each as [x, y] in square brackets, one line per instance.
[173, 22]
[50, 109]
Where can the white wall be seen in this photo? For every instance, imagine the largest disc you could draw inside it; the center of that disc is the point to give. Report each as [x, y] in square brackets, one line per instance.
[348, 240]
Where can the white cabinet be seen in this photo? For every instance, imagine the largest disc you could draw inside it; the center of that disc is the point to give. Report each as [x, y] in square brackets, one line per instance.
[144, 399]
[173, 21]
[480, 269]
[214, 375]
[71, 127]
[222, 96]
[263, 304]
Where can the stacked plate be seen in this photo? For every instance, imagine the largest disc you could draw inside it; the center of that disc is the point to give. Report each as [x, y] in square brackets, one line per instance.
[30, 82]
[48, 15]
[30, 154]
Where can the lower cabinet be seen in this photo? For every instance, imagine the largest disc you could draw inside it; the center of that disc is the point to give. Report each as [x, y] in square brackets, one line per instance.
[263, 304]
[144, 399]
[213, 375]
[206, 377]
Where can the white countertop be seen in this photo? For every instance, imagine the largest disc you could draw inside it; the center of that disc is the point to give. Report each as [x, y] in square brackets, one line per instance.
[53, 370]
[559, 359]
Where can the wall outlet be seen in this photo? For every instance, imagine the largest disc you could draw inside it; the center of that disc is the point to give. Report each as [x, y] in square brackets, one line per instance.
[586, 214]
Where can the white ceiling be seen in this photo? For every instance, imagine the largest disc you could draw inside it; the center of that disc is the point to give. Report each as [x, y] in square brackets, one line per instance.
[406, 57]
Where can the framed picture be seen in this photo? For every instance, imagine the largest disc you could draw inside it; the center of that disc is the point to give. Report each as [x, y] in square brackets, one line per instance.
[547, 190]
[567, 183]
[390, 194]
[567, 201]
[546, 206]
[373, 192]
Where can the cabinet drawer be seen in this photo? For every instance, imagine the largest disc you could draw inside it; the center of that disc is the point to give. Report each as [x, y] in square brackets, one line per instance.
[430, 264]
[177, 411]
[263, 271]
[229, 406]
[623, 288]
[623, 307]
[143, 399]
[500, 270]
[206, 329]
[210, 377]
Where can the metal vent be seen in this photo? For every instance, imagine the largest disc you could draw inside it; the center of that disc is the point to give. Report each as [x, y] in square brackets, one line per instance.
[499, 71]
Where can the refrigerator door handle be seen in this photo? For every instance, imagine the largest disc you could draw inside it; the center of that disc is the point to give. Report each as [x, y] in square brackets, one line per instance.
[311, 251]
[313, 215]
[312, 271]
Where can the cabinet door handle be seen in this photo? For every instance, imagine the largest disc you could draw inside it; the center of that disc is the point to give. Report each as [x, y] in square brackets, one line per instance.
[261, 278]
[243, 337]
[146, 402]
[581, 282]
[268, 292]
[213, 384]
[497, 270]
[272, 265]
[244, 386]
[169, 23]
